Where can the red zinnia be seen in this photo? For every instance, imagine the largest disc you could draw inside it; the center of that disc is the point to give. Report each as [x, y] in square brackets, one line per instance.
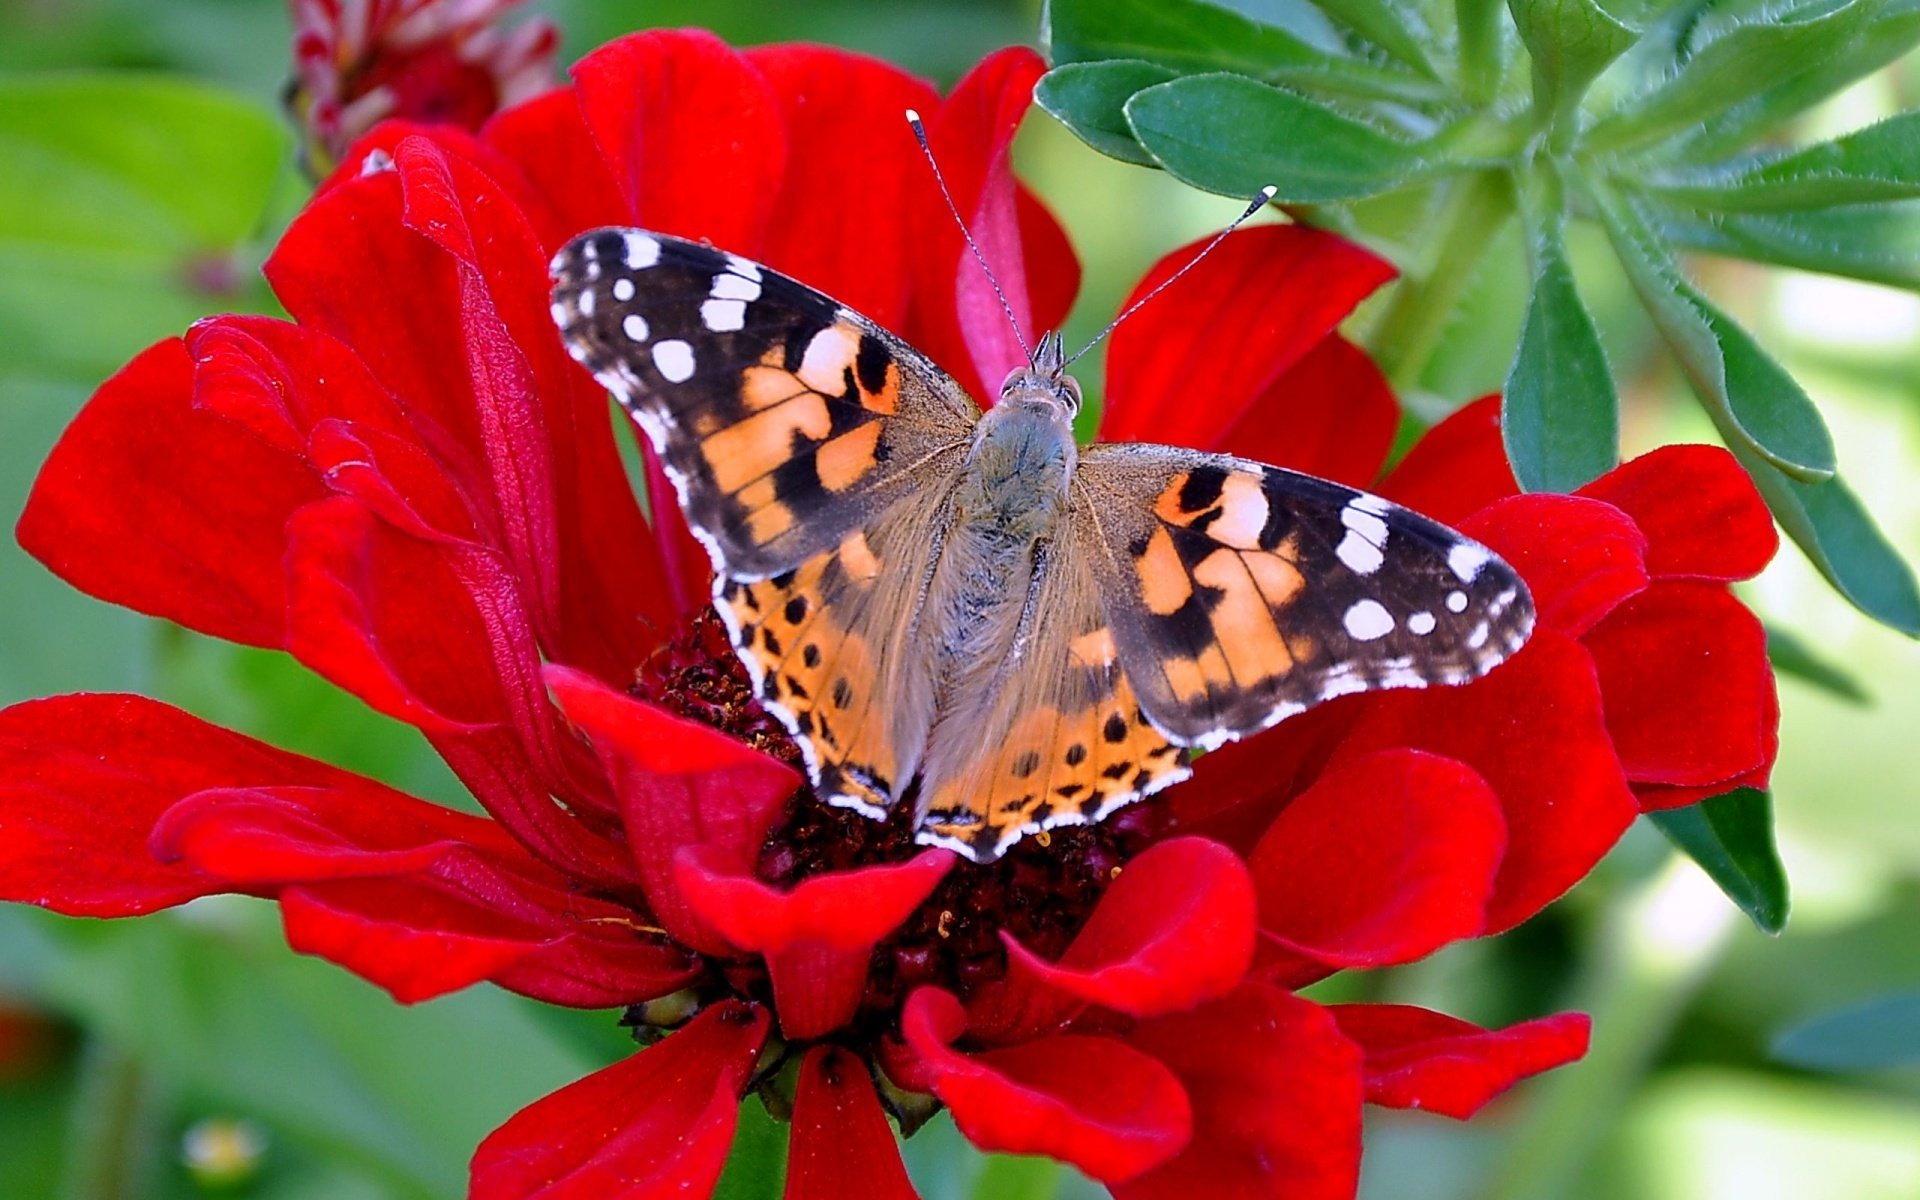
[412, 490]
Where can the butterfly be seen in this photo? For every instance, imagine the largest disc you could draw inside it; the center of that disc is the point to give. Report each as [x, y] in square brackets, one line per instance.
[965, 611]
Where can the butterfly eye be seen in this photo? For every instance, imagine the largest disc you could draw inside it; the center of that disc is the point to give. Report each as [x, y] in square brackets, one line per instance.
[1067, 388]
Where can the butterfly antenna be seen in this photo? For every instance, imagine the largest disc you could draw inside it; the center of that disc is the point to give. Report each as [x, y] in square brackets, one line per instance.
[920, 135]
[1266, 193]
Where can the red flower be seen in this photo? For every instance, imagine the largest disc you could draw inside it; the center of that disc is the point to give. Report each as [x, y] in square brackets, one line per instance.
[410, 488]
[359, 62]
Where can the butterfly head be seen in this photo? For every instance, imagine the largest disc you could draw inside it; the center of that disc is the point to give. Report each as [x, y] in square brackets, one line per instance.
[1043, 384]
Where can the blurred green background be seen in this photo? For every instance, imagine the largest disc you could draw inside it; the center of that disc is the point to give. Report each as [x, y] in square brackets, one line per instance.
[145, 167]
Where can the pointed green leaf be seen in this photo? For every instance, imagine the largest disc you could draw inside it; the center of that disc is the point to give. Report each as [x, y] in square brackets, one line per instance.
[1726, 56]
[1559, 415]
[1570, 42]
[1749, 395]
[1791, 655]
[1828, 522]
[1089, 99]
[1872, 1035]
[757, 1163]
[1186, 35]
[1234, 135]
[1879, 243]
[1880, 162]
[1397, 28]
[1731, 837]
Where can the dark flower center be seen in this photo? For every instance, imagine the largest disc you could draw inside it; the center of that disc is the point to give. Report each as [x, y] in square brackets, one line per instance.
[1041, 890]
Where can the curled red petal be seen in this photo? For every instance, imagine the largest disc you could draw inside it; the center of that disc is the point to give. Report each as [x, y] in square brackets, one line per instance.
[1689, 690]
[1700, 511]
[816, 938]
[1386, 858]
[1536, 731]
[841, 1144]
[1416, 1058]
[691, 134]
[1581, 558]
[170, 510]
[679, 783]
[1209, 353]
[1276, 1101]
[843, 117]
[1456, 468]
[1175, 929]
[1091, 1101]
[657, 1124]
[1331, 414]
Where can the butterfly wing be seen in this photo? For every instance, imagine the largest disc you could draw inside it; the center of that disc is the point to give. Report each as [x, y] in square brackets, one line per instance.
[1240, 594]
[1054, 735]
[785, 420]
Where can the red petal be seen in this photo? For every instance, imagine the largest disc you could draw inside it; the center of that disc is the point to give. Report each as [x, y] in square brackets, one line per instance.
[1211, 352]
[844, 122]
[816, 938]
[1689, 691]
[1091, 1101]
[691, 132]
[1340, 416]
[548, 141]
[1580, 557]
[956, 318]
[680, 783]
[1456, 468]
[657, 1124]
[842, 1145]
[1536, 732]
[1174, 930]
[1702, 515]
[152, 503]
[1276, 1101]
[1427, 1060]
[1387, 858]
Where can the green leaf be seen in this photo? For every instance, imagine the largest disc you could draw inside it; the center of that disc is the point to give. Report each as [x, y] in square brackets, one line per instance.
[1880, 162]
[1186, 35]
[757, 1163]
[1234, 135]
[1879, 243]
[154, 183]
[1559, 415]
[1791, 655]
[1090, 98]
[1828, 522]
[1731, 837]
[1750, 396]
[1007, 1177]
[1570, 42]
[1872, 1035]
[1396, 28]
[1727, 58]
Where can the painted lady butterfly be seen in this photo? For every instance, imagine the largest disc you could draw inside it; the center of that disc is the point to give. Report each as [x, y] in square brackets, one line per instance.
[969, 613]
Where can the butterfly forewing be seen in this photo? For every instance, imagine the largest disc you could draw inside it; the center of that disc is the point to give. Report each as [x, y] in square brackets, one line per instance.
[1240, 593]
[784, 419]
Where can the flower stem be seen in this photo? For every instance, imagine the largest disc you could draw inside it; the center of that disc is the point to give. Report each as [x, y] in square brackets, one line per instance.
[1415, 319]
[1648, 958]
[111, 1151]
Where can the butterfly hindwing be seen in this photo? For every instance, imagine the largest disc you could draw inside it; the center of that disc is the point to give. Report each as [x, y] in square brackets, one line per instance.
[1240, 594]
[784, 419]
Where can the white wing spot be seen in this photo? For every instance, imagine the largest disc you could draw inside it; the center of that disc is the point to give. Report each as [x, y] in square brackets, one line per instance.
[1361, 556]
[1362, 549]
[1479, 636]
[561, 316]
[674, 358]
[723, 316]
[734, 287]
[635, 327]
[642, 251]
[623, 289]
[1466, 559]
[1456, 602]
[1421, 623]
[585, 303]
[744, 268]
[1368, 620]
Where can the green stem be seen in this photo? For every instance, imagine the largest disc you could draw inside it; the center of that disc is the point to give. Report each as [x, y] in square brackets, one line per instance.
[109, 1156]
[1415, 319]
[1479, 22]
[1650, 955]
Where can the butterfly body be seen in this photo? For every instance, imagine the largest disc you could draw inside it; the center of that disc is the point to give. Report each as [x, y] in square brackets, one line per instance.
[967, 610]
